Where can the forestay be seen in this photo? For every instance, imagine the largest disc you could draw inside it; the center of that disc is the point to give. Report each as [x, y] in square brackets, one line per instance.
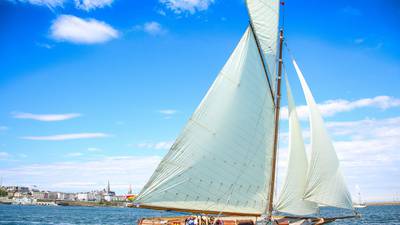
[264, 16]
[325, 183]
[221, 162]
[292, 193]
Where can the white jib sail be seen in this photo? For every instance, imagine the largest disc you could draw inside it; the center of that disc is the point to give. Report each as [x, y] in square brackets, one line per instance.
[292, 193]
[264, 15]
[325, 183]
[221, 161]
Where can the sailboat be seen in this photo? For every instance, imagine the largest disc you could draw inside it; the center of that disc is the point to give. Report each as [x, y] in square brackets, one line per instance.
[222, 166]
[360, 204]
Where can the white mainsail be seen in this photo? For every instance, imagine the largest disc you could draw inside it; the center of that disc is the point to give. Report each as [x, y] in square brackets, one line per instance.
[264, 16]
[325, 183]
[221, 162]
[292, 193]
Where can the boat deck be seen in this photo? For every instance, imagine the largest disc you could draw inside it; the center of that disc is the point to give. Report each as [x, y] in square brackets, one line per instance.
[232, 220]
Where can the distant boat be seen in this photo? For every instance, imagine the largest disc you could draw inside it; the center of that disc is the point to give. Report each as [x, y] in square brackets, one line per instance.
[222, 167]
[360, 204]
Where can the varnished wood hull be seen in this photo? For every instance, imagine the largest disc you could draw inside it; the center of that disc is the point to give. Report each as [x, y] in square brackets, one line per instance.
[202, 220]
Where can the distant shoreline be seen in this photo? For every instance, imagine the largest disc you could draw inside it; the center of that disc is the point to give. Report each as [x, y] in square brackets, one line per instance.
[382, 203]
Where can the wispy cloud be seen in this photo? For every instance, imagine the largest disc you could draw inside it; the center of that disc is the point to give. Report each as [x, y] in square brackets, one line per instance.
[62, 137]
[49, 3]
[162, 145]
[168, 112]
[74, 154]
[359, 41]
[153, 28]
[92, 4]
[86, 5]
[81, 31]
[3, 128]
[4, 155]
[64, 176]
[349, 10]
[93, 149]
[332, 107]
[161, 12]
[44, 45]
[45, 117]
[187, 6]
[366, 148]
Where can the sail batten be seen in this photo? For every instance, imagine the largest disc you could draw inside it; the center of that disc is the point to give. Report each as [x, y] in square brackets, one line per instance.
[291, 196]
[325, 182]
[221, 160]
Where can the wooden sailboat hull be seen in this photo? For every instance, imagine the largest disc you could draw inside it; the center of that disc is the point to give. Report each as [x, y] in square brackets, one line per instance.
[231, 220]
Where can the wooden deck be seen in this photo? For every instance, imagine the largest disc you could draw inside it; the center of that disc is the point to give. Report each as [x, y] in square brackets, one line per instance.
[185, 220]
[232, 220]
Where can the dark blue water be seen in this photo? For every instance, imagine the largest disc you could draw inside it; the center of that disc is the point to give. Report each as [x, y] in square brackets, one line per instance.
[44, 215]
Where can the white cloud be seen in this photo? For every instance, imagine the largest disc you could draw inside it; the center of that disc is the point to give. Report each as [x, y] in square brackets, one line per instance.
[369, 153]
[44, 45]
[161, 12]
[367, 149]
[48, 3]
[187, 6]
[168, 112]
[74, 154]
[85, 176]
[162, 145]
[62, 137]
[45, 117]
[79, 4]
[359, 40]
[81, 31]
[92, 4]
[3, 128]
[332, 107]
[93, 149]
[153, 28]
[4, 155]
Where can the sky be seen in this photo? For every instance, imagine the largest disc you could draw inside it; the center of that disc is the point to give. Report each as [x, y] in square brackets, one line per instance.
[98, 90]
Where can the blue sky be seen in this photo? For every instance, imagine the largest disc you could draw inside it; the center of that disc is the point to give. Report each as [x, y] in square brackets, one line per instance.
[98, 90]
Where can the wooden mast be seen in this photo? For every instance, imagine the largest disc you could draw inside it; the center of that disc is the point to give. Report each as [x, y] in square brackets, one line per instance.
[276, 132]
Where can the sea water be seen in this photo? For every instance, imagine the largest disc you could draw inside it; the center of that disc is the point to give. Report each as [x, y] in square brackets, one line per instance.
[67, 215]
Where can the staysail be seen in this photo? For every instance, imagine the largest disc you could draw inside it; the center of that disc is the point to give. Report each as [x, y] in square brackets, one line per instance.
[292, 193]
[221, 162]
[264, 16]
[325, 183]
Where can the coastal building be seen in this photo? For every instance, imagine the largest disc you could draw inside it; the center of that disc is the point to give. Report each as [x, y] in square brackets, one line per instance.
[108, 195]
[19, 195]
[119, 198]
[82, 196]
[69, 196]
[23, 201]
[17, 189]
[38, 195]
[61, 196]
[52, 195]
